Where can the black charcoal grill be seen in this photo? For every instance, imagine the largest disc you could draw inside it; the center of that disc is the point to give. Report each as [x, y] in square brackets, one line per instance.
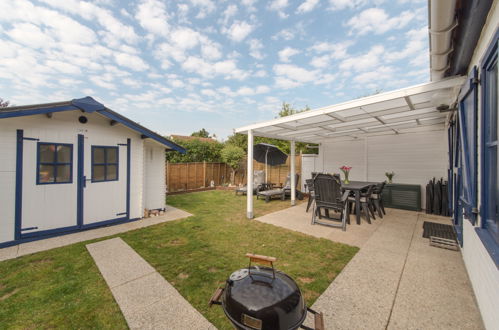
[264, 298]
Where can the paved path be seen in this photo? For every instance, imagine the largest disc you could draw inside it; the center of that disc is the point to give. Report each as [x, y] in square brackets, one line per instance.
[396, 280]
[55, 242]
[146, 299]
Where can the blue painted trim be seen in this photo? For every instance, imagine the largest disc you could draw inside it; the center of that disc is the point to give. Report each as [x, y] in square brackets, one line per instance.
[39, 111]
[128, 172]
[123, 144]
[29, 228]
[105, 164]
[31, 139]
[80, 180]
[48, 232]
[488, 236]
[19, 184]
[54, 163]
[133, 125]
[69, 230]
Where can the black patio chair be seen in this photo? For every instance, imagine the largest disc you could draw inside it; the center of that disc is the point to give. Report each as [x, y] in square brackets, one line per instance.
[281, 191]
[258, 184]
[365, 203]
[309, 185]
[377, 198]
[329, 197]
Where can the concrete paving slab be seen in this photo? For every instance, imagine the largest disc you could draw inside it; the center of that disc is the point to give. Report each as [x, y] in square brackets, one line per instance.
[171, 214]
[145, 298]
[118, 262]
[396, 280]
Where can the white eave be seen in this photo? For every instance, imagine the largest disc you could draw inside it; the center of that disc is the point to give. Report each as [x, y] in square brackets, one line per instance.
[401, 111]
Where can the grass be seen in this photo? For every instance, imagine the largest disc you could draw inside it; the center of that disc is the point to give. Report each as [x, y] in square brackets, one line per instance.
[62, 288]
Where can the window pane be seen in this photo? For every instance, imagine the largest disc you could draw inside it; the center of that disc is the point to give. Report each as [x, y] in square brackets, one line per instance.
[98, 173]
[112, 155]
[63, 154]
[98, 154]
[63, 173]
[112, 172]
[47, 153]
[46, 173]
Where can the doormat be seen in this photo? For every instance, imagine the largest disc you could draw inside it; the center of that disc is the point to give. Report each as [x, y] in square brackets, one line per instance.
[440, 235]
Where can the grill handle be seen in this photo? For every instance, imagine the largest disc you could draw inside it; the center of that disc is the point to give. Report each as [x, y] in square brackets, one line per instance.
[318, 321]
[215, 298]
[263, 260]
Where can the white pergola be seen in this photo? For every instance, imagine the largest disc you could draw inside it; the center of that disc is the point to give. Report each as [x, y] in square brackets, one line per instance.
[418, 108]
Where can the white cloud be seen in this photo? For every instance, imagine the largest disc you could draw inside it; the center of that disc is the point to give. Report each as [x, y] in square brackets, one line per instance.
[227, 68]
[289, 75]
[205, 7]
[153, 17]
[306, 6]
[365, 61]
[377, 21]
[239, 30]
[30, 35]
[279, 6]
[286, 53]
[285, 34]
[228, 13]
[320, 61]
[352, 4]
[255, 49]
[130, 61]
[378, 76]
[416, 45]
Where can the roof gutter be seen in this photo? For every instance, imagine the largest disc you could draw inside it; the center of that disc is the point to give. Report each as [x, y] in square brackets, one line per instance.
[441, 23]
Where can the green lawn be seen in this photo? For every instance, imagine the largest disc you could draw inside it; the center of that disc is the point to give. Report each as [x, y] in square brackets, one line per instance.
[62, 288]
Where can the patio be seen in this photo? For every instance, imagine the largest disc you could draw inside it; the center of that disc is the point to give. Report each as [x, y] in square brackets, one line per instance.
[396, 280]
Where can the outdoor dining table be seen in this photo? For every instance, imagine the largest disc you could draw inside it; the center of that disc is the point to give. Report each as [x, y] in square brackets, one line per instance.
[356, 187]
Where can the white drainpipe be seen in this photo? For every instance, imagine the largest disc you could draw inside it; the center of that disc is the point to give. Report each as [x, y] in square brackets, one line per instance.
[441, 23]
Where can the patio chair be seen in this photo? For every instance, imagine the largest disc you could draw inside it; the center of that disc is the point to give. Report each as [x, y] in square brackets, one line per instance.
[328, 197]
[258, 183]
[281, 191]
[365, 203]
[309, 185]
[377, 198]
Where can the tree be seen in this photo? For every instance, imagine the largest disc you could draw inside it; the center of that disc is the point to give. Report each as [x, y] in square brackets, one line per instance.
[201, 133]
[4, 103]
[196, 151]
[232, 156]
[241, 140]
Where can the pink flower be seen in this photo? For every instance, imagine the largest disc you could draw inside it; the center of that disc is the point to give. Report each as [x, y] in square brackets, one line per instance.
[345, 168]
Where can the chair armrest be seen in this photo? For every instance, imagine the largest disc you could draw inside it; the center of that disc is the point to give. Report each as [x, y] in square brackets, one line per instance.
[345, 195]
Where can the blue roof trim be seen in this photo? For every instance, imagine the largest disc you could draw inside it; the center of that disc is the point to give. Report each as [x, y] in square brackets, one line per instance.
[141, 129]
[88, 104]
[38, 111]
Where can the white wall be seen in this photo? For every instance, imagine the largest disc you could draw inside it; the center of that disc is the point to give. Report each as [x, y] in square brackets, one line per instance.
[483, 272]
[414, 157]
[62, 127]
[154, 176]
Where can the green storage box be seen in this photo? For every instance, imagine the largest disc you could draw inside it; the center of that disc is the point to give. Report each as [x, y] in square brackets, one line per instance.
[402, 196]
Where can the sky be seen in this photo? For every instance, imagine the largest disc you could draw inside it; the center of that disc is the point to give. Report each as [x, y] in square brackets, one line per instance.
[179, 66]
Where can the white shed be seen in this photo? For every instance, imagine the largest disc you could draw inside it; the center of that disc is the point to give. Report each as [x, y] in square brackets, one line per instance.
[74, 165]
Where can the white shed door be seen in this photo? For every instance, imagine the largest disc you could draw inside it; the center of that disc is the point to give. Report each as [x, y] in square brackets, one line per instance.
[49, 186]
[105, 171]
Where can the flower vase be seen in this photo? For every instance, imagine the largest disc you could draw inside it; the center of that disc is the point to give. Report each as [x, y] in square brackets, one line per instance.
[346, 181]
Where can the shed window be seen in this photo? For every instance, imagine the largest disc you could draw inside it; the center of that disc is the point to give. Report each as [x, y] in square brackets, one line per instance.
[104, 164]
[55, 163]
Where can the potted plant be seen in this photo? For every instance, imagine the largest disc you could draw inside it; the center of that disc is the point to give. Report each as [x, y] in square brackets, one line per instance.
[390, 176]
[346, 170]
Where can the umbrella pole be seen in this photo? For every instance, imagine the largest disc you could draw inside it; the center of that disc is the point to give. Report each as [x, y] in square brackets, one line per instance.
[266, 175]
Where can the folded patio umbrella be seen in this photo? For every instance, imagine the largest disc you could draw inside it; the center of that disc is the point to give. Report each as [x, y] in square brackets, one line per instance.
[268, 154]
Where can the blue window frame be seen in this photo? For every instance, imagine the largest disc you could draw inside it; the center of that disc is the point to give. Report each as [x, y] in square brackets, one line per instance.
[105, 163]
[490, 141]
[54, 163]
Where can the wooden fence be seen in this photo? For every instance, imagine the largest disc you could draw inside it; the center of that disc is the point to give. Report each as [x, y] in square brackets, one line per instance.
[191, 176]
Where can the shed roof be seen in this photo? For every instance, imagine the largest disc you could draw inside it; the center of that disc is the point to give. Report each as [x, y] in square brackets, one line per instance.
[89, 105]
[405, 110]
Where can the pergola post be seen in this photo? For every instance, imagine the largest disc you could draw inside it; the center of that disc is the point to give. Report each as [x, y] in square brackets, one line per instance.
[249, 176]
[293, 174]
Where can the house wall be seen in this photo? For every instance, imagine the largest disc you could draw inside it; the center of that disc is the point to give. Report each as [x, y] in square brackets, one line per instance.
[62, 127]
[483, 272]
[154, 176]
[414, 157]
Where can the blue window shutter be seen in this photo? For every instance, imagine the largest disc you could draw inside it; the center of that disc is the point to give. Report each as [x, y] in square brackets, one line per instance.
[468, 145]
